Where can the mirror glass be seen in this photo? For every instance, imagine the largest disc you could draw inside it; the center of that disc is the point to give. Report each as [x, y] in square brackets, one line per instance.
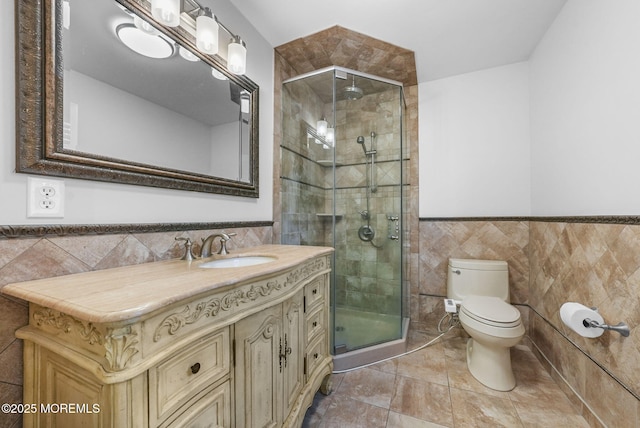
[171, 117]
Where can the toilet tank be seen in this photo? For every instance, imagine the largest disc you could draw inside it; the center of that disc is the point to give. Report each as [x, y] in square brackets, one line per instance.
[477, 277]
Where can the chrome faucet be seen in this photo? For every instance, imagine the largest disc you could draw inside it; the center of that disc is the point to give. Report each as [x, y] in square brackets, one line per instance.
[205, 251]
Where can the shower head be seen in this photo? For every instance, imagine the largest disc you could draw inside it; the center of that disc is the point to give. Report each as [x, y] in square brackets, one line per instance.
[360, 140]
[352, 92]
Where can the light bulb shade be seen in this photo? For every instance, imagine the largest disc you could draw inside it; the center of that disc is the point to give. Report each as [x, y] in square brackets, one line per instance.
[144, 26]
[321, 127]
[166, 11]
[187, 54]
[330, 138]
[215, 73]
[143, 43]
[244, 102]
[66, 14]
[237, 60]
[207, 34]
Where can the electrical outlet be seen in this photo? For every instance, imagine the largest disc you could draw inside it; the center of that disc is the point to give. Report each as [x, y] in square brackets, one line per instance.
[45, 198]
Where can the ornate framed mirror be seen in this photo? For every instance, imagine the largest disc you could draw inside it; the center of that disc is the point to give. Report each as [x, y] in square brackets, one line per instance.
[90, 107]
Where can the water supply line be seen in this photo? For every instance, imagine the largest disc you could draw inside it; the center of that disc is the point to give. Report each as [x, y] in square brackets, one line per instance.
[453, 323]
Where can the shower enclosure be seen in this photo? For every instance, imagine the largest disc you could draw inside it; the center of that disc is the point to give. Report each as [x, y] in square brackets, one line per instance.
[342, 183]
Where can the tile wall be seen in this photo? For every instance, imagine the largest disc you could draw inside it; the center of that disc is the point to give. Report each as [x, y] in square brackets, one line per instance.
[23, 259]
[552, 262]
[345, 48]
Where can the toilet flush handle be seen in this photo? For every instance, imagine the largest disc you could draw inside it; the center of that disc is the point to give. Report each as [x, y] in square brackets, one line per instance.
[457, 271]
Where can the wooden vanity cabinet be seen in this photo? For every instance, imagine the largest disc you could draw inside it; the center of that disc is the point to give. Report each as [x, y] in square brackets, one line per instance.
[279, 350]
[248, 355]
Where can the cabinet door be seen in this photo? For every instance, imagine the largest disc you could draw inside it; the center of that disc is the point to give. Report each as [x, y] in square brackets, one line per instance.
[293, 350]
[60, 383]
[258, 370]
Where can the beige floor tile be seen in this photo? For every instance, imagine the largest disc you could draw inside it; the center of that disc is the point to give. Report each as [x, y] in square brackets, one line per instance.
[349, 413]
[422, 400]
[396, 420]
[480, 410]
[534, 415]
[427, 364]
[422, 389]
[369, 386]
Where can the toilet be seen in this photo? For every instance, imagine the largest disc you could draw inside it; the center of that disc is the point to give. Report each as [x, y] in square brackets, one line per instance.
[482, 289]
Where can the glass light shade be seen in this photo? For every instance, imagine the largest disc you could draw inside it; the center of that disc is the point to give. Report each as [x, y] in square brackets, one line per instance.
[330, 136]
[187, 54]
[215, 73]
[143, 43]
[237, 60]
[207, 34]
[66, 14]
[166, 11]
[143, 25]
[244, 102]
[321, 127]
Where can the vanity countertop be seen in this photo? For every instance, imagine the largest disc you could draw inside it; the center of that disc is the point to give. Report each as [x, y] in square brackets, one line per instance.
[122, 293]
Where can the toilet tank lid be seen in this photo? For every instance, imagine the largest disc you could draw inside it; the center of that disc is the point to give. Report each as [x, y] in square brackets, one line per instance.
[474, 264]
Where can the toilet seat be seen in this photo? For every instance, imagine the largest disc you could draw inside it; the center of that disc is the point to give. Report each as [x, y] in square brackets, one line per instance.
[491, 310]
[491, 315]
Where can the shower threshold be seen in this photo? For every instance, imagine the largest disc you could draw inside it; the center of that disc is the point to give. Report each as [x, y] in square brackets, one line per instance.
[372, 354]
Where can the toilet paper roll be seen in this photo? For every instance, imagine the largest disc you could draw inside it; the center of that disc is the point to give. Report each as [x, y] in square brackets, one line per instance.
[573, 314]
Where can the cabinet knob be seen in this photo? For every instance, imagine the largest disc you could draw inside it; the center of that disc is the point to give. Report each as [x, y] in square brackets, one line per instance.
[316, 355]
[315, 323]
[195, 368]
[315, 291]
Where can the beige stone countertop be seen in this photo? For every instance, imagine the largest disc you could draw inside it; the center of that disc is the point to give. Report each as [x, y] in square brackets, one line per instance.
[123, 293]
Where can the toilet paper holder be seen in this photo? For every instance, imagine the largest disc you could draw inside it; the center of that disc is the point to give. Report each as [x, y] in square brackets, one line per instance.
[621, 327]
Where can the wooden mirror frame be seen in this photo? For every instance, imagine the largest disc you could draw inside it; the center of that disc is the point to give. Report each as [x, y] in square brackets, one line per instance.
[39, 111]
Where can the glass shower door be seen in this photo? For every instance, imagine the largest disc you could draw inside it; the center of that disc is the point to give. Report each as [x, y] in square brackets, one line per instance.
[346, 192]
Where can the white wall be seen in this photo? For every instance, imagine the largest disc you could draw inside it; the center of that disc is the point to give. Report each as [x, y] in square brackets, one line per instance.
[585, 111]
[474, 152]
[89, 202]
[157, 136]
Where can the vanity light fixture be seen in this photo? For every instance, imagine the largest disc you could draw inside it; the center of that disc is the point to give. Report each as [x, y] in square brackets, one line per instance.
[144, 26]
[207, 32]
[244, 101]
[144, 43]
[66, 14]
[187, 54]
[330, 138]
[237, 60]
[215, 73]
[167, 12]
[326, 140]
[321, 127]
[206, 27]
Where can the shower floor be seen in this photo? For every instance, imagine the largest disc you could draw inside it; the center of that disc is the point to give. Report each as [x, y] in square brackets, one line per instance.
[367, 337]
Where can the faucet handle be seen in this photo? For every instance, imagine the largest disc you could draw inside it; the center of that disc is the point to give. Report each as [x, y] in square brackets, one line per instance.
[188, 255]
[224, 238]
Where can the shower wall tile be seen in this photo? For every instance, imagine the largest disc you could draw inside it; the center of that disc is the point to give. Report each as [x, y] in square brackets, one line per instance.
[346, 48]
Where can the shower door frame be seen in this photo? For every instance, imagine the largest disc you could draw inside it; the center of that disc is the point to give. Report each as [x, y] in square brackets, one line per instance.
[403, 316]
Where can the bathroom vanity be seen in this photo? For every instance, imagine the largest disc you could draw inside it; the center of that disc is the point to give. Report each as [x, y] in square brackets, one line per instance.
[172, 344]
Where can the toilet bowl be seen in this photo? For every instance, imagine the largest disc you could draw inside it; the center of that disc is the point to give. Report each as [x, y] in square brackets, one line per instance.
[494, 327]
[482, 288]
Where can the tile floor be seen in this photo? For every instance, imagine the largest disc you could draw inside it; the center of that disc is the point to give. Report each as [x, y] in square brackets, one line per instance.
[433, 388]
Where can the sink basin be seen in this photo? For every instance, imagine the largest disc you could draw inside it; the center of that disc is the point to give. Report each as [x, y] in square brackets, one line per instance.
[240, 261]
